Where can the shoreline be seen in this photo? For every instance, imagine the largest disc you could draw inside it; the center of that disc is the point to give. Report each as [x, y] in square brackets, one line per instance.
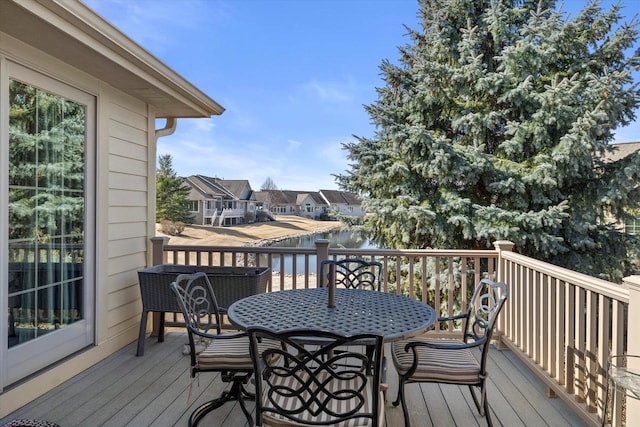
[269, 242]
[255, 234]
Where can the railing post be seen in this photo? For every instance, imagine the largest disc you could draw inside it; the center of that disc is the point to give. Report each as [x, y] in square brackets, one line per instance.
[633, 340]
[502, 246]
[157, 250]
[157, 257]
[322, 254]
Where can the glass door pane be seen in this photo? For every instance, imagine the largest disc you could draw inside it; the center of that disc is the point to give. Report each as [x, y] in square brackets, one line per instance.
[46, 212]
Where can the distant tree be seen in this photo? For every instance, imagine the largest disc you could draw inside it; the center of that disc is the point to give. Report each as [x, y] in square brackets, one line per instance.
[268, 184]
[171, 194]
[494, 126]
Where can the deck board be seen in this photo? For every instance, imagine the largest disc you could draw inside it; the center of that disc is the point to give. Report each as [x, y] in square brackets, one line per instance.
[156, 390]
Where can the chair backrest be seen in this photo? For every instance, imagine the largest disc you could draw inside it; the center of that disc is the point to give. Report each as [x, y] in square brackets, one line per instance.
[352, 273]
[483, 309]
[312, 384]
[198, 303]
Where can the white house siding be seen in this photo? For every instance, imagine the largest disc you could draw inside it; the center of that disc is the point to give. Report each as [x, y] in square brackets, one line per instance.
[128, 164]
[124, 168]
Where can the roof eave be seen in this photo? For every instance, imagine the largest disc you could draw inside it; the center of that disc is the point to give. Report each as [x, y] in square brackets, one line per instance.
[75, 34]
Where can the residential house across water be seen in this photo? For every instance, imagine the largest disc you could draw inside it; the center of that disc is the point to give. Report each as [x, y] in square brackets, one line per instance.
[343, 202]
[216, 201]
[323, 204]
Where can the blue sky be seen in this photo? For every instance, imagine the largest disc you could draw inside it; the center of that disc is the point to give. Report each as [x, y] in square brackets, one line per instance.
[293, 76]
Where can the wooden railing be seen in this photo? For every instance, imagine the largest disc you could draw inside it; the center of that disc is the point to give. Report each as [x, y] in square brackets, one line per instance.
[565, 325]
[561, 323]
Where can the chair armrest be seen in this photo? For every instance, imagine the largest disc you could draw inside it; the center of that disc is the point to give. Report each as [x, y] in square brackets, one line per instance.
[456, 317]
[446, 345]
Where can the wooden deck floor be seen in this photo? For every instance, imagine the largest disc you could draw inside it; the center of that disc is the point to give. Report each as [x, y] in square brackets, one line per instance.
[155, 390]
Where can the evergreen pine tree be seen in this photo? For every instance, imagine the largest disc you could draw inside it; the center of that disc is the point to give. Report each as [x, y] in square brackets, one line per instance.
[171, 194]
[495, 125]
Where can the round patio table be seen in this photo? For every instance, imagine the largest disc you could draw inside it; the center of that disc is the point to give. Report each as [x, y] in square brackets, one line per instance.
[356, 311]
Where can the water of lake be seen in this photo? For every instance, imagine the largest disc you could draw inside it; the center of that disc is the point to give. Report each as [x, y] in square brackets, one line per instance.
[344, 239]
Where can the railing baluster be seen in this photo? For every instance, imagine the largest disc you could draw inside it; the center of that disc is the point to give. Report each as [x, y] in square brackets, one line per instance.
[562, 338]
[591, 351]
[543, 314]
[618, 346]
[294, 270]
[604, 340]
[412, 291]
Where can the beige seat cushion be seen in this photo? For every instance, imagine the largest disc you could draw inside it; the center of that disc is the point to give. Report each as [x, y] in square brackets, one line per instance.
[437, 365]
[230, 353]
[289, 402]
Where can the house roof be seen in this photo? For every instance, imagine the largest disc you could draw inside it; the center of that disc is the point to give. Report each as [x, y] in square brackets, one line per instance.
[621, 150]
[317, 198]
[288, 197]
[262, 196]
[282, 197]
[341, 197]
[72, 32]
[207, 187]
[235, 186]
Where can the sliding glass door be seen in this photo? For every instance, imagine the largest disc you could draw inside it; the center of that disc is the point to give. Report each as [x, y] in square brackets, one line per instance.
[50, 236]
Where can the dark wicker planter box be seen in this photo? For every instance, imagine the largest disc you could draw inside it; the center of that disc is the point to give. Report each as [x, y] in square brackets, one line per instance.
[229, 285]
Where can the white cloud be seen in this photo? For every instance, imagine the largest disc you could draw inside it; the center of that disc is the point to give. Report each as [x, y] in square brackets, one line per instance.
[332, 152]
[331, 92]
[293, 145]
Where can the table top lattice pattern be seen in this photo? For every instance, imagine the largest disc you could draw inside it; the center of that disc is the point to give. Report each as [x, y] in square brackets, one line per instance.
[355, 312]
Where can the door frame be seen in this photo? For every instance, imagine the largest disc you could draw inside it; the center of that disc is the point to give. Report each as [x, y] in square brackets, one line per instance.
[25, 359]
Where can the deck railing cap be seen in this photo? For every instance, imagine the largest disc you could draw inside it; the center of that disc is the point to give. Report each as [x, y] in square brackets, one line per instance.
[632, 281]
[504, 245]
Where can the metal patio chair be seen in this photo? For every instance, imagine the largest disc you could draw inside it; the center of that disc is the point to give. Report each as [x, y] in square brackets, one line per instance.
[300, 385]
[227, 353]
[452, 361]
[351, 273]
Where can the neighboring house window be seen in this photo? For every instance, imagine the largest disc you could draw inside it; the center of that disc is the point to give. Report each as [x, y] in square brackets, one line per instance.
[308, 207]
[194, 205]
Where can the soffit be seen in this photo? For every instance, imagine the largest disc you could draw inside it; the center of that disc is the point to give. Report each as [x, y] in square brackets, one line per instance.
[73, 33]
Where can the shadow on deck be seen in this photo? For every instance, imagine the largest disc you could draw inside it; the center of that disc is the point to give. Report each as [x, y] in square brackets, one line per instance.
[156, 390]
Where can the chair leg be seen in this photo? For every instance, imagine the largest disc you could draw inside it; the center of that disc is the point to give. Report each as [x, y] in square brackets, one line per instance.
[236, 392]
[400, 400]
[482, 404]
[487, 413]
